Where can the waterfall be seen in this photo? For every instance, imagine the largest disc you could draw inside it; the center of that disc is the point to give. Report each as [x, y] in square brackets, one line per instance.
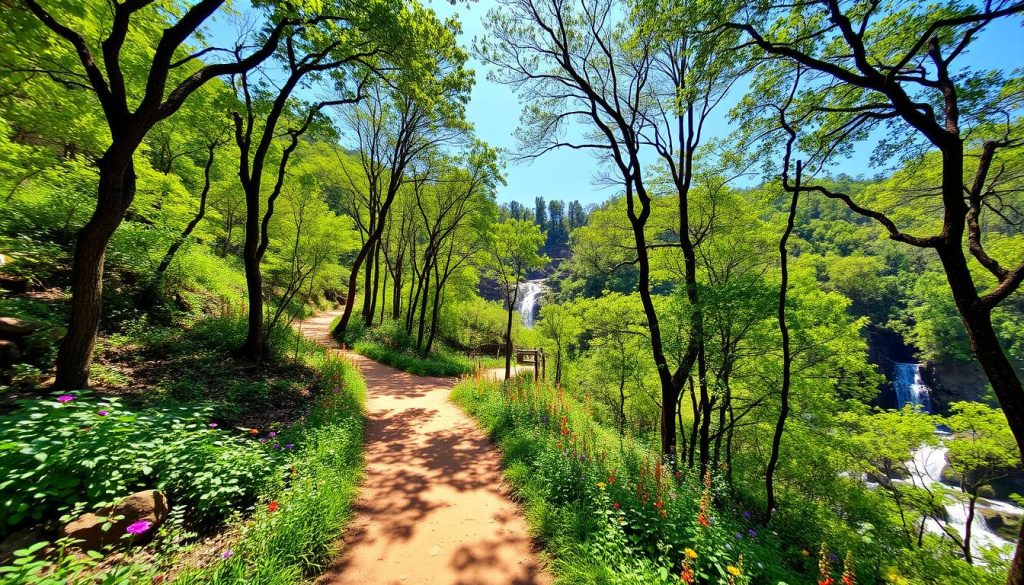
[529, 293]
[927, 462]
[910, 388]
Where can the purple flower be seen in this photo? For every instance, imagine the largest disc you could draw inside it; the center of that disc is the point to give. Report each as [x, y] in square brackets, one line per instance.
[277, 445]
[227, 554]
[65, 398]
[335, 389]
[103, 413]
[271, 434]
[289, 447]
[752, 533]
[136, 528]
[263, 441]
[213, 425]
[746, 515]
[832, 557]
[739, 536]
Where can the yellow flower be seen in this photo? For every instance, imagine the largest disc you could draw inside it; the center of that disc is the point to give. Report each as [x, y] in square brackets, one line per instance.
[806, 552]
[690, 553]
[734, 571]
[600, 484]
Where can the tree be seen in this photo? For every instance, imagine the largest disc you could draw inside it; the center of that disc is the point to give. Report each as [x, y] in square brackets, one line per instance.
[643, 83]
[562, 324]
[870, 66]
[405, 119]
[514, 250]
[540, 214]
[130, 108]
[981, 450]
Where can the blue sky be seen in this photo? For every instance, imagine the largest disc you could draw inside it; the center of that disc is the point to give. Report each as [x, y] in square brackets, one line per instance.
[568, 174]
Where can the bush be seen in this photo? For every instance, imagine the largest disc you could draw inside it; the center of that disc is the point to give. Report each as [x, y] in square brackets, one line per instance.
[292, 541]
[77, 451]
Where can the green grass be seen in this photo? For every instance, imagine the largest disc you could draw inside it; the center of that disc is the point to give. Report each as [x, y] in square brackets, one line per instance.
[438, 363]
[590, 500]
[293, 543]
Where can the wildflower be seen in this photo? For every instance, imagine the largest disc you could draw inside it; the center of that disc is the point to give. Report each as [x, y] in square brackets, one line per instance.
[289, 446]
[849, 576]
[263, 441]
[103, 413]
[63, 398]
[690, 553]
[616, 505]
[272, 506]
[213, 425]
[702, 519]
[658, 504]
[277, 445]
[734, 571]
[271, 434]
[806, 552]
[565, 426]
[611, 478]
[752, 533]
[687, 575]
[739, 536]
[601, 485]
[746, 515]
[254, 431]
[335, 389]
[825, 566]
[136, 528]
[227, 554]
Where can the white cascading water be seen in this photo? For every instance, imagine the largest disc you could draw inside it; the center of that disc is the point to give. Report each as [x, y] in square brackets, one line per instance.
[927, 462]
[529, 292]
[910, 388]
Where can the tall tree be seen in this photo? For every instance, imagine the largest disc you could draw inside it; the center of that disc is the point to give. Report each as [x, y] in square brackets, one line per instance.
[403, 121]
[872, 66]
[131, 106]
[514, 250]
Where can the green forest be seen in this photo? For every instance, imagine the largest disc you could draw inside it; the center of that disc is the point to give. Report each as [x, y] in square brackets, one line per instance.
[275, 310]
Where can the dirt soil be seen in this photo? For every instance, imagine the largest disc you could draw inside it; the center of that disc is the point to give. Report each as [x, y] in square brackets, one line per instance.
[433, 507]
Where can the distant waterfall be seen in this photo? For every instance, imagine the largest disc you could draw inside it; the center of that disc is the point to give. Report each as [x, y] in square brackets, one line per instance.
[910, 388]
[927, 462]
[529, 293]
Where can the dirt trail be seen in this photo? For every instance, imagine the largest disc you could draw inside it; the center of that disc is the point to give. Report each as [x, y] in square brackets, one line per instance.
[432, 508]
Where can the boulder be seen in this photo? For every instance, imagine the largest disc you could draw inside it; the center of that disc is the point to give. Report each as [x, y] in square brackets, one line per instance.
[11, 327]
[1004, 524]
[149, 505]
[9, 353]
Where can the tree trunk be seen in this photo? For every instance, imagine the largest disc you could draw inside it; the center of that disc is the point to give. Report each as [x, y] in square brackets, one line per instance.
[368, 285]
[253, 346]
[115, 193]
[787, 359]
[508, 332]
[152, 291]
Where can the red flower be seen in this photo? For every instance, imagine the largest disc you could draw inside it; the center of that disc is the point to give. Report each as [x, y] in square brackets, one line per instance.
[828, 581]
[272, 506]
[687, 575]
[703, 521]
[616, 505]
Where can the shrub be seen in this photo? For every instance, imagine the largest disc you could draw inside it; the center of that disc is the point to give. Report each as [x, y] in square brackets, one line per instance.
[77, 451]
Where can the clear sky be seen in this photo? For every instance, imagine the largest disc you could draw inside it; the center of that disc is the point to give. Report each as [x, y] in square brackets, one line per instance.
[568, 174]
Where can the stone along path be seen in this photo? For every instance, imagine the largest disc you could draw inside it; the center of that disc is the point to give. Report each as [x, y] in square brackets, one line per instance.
[432, 508]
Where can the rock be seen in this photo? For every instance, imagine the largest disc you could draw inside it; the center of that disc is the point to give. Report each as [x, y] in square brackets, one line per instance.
[149, 505]
[15, 284]
[11, 327]
[21, 539]
[1004, 524]
[9, 352]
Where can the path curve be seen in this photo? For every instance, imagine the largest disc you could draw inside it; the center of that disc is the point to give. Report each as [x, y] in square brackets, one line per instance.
[433, 508]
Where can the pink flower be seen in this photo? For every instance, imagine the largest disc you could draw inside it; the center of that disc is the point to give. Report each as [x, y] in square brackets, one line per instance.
[271, 434]
[65, 398]
[136, 528]
[227, 554]
[213, 425]
[103, 413]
